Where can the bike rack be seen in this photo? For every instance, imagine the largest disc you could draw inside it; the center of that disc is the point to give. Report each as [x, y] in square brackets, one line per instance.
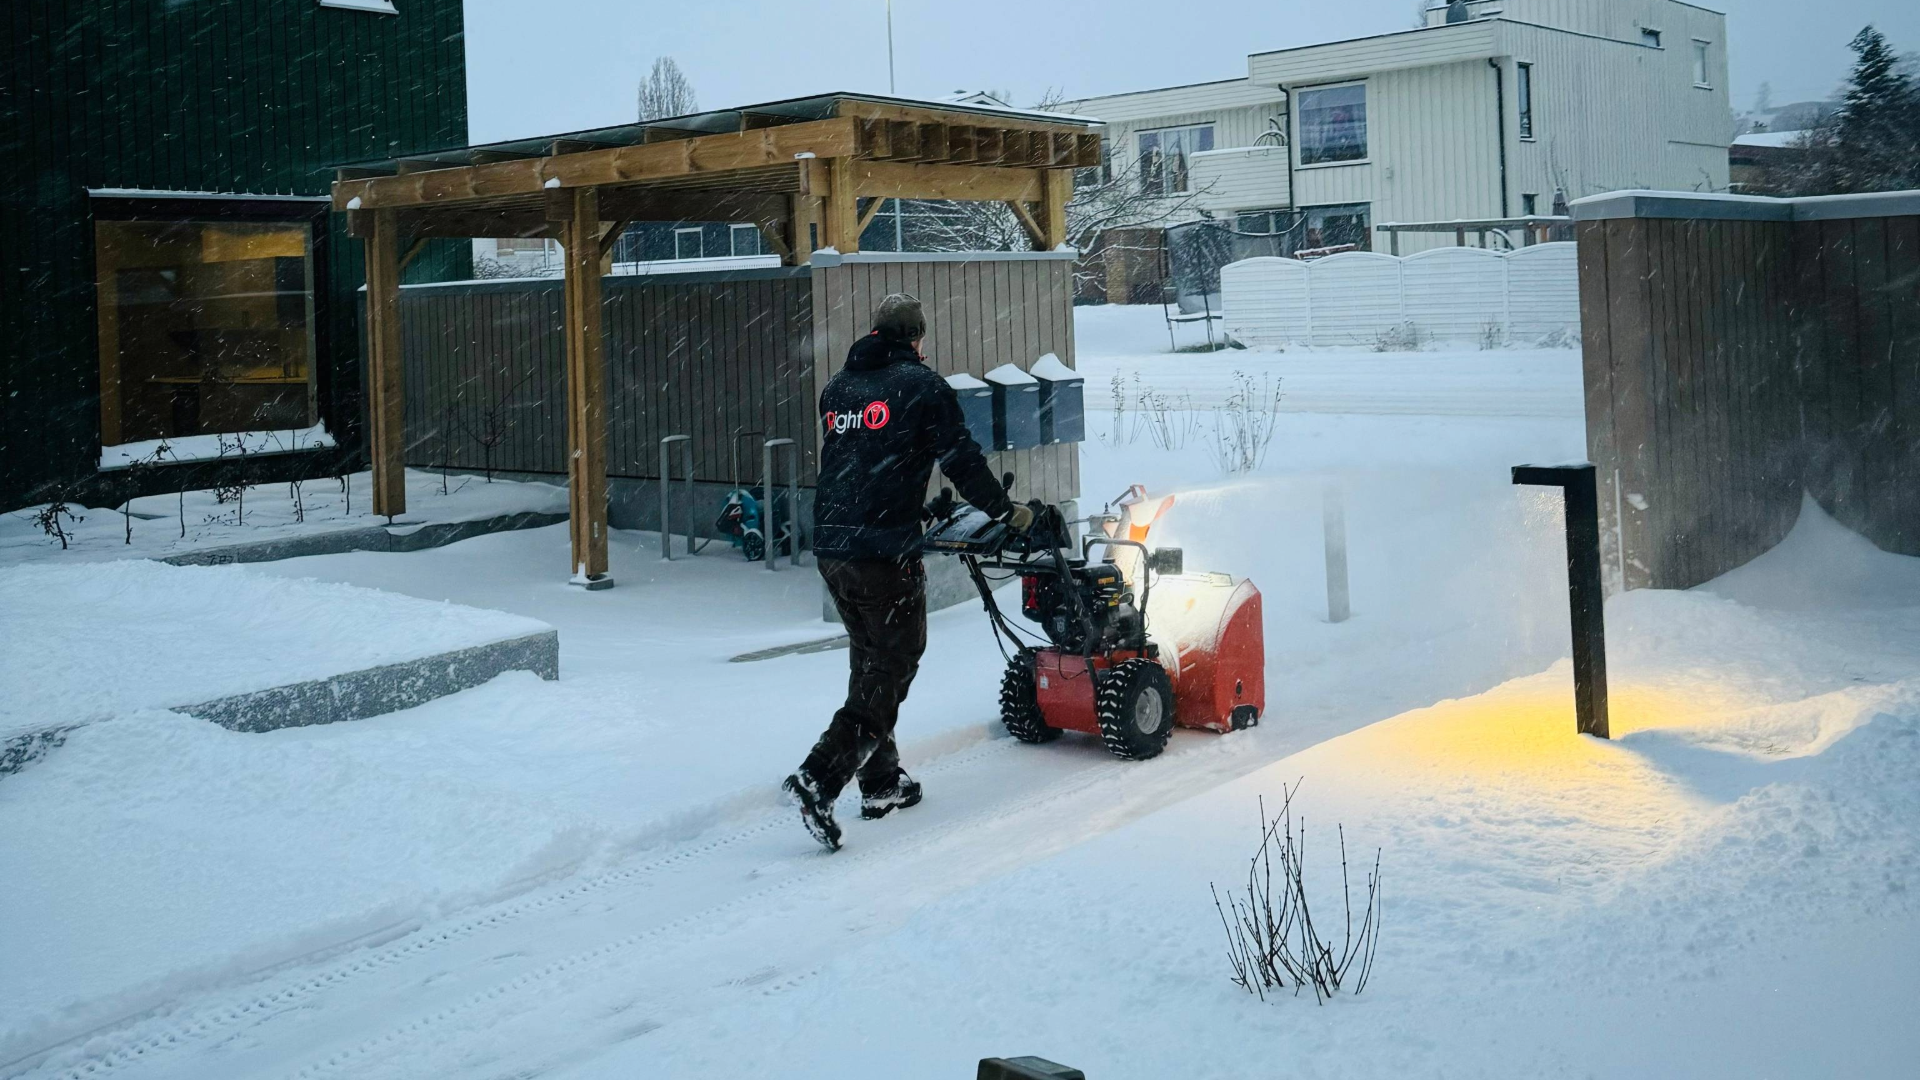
[666, 487]
[733, 454]
[793, 500]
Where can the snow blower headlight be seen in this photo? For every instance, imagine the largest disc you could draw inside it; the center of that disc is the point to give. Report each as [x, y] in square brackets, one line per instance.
[1167, 561]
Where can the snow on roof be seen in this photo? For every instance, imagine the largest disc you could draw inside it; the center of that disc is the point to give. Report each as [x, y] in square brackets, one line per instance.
[1771, 138]
[1050, 368]
[1011, 375]
[960, 380]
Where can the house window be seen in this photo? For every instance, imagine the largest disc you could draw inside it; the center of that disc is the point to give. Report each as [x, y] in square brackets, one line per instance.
[1262, 222]
[1333, 124]
[378, 7]
[687, 243]
[1165, 155]
[1328, 229]
[205, 327]
[1701, 68]
[1526, 101]
[1529, 205]
[1649, 37]
[744, 239]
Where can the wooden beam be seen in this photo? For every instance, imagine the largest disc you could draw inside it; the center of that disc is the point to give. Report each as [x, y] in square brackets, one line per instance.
[876, 139]
[903, 139]
[610, 238]
[971, 183]
[586, 392]
[617, 165]
[804, 221]
[1058, 191]
[878, 110]
[843, 219]
[418, 245]
[772, 232]
[1087, 154]
[933, 142]
[962, 143]
[1036, 235]
[872, 211]
[386, 413]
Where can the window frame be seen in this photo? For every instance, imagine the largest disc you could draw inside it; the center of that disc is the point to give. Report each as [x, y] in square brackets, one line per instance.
[733, 246]
[1529, 204]
[699, 239]
[1306, 217]
[1294, 108]
[1523, 98]
[1211, 127]
[1702, 63]
[314, 212]
[1653, 37]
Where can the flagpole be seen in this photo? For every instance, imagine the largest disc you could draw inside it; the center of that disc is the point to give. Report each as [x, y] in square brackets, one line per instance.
[890, 86]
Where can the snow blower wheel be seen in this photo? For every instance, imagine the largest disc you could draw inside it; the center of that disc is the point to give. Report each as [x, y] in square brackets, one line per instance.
[1134, 706]
[1020, 703]
[753, 545]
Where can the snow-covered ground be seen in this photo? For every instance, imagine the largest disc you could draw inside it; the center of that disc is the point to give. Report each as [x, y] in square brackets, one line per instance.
[593, 878]
[162, 526]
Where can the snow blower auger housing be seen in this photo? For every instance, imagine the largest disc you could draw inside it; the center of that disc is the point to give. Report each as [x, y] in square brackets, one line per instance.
[1132, 644]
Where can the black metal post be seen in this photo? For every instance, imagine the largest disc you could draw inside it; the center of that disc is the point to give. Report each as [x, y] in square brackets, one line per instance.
[1584, 590]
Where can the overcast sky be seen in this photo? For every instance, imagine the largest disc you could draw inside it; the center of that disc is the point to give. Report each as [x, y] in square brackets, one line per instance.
[537, 67]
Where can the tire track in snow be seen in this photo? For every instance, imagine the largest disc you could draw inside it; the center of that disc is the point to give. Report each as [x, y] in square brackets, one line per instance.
[504, 995]
[134, 1041]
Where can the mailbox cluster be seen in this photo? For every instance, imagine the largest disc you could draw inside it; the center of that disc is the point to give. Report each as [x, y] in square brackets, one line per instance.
[1019, 410]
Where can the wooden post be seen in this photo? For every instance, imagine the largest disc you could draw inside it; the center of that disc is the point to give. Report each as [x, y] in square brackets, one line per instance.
[586, 390]
[1056, 191]
[386, 416]
[843, 217]
[804, 221]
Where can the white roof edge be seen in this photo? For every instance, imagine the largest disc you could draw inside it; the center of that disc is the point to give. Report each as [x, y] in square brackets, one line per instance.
[145, 193]
[1616, 205]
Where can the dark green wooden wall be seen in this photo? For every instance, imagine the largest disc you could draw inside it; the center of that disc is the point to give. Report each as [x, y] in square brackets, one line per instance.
[241, 96]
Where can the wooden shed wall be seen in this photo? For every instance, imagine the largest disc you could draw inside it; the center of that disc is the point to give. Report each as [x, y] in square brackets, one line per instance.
[1730, 364]
[240, 96]
[712, 356]
[983, 310]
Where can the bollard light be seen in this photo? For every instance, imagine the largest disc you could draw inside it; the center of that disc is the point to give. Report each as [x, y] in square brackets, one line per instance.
[1584, 593]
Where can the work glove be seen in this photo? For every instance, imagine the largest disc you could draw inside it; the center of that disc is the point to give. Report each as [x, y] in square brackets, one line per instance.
[1020, 518]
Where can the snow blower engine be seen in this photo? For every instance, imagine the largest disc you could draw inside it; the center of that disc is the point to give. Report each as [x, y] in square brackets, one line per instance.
[1133, 645]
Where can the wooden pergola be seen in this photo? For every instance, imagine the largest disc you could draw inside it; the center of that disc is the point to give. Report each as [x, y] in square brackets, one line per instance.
[810, 172]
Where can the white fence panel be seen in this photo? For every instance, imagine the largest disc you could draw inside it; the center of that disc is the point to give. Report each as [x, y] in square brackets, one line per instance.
[1275, 306]
[1456, 294]
[1446, 294]
[1356, 298]
[1545, 290]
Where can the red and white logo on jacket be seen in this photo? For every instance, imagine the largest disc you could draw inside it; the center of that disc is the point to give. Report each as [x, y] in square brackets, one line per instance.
[872, 418]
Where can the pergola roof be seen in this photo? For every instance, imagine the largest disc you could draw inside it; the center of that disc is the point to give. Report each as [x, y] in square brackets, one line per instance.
[713, 122]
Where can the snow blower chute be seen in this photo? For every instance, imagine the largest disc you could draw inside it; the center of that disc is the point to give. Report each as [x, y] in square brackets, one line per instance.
[1133, 644]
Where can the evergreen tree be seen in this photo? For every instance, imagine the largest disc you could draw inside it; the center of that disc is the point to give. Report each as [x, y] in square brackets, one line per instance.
[1877, 133]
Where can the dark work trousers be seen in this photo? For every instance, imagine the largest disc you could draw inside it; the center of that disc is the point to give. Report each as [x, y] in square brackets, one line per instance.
[884, 606]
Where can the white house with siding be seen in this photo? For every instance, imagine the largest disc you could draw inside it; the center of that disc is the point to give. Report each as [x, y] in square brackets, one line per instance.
[1495, 109]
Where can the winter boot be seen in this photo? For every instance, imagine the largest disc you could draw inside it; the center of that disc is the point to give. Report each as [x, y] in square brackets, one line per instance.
[816, 811]
[904, 792]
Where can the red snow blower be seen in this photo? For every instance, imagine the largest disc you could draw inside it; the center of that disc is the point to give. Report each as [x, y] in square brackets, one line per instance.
[1133, 644]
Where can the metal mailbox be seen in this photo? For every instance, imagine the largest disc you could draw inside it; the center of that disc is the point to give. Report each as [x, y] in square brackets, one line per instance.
[1063, 401]
[976, 404]
[1016, 408]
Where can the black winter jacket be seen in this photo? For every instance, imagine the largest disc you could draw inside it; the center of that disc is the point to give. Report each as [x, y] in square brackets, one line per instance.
[886, 419]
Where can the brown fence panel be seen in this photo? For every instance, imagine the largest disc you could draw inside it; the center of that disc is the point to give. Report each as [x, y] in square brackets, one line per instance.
[1737, 353]
[708, 355]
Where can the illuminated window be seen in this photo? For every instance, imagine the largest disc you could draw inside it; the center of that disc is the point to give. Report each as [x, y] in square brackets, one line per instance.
[1333, 124]
[205, 327]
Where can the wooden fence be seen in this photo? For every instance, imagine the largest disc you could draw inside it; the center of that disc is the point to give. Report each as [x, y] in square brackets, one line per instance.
[714, 355]
[1740, 351]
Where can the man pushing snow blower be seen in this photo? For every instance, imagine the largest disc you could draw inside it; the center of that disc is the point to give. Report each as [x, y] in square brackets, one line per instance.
[886, 418]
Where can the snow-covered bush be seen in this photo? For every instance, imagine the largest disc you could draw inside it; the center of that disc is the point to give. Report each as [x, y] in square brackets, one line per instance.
[1243, 428]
